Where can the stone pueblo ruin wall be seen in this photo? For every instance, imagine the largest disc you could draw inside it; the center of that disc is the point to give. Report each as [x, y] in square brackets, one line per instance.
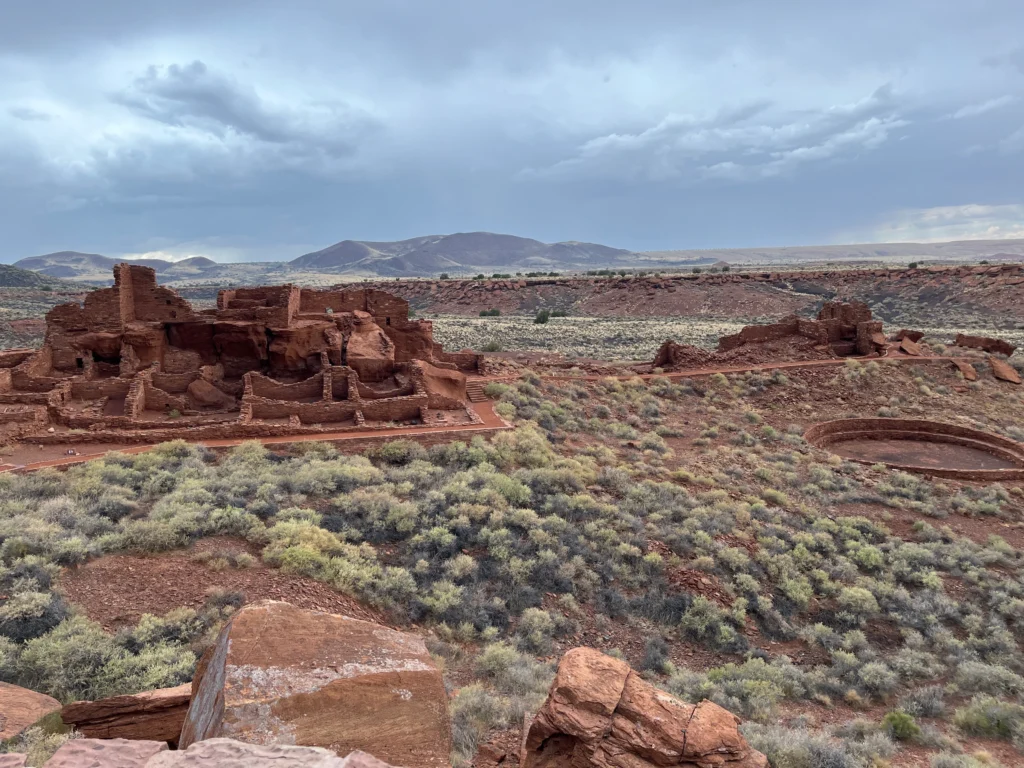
[138, 362]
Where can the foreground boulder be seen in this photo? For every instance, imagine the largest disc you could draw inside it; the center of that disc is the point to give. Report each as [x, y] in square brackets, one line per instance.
[279, 674]
[104, 753]
[1003, 370]
[599, 712]
[153, 715]
[20, 708]
[214, 753]
[228, 753]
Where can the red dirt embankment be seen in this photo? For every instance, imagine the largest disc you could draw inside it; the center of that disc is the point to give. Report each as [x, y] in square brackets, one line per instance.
[116, 590]
[987, 289]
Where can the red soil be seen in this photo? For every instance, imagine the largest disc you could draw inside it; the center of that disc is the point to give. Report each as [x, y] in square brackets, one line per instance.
[116, 590]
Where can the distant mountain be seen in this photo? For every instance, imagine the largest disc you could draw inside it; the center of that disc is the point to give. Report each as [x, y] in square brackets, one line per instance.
[13, 277]
[464, 251]
[88, 267]
[468, 253]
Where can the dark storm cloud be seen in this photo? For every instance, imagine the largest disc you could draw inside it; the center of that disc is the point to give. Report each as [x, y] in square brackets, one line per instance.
[256, 129]
[192, 95]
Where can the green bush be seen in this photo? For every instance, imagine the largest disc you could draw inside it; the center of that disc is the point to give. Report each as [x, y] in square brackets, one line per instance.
[542, 316]
[901, 726]
[78, 660]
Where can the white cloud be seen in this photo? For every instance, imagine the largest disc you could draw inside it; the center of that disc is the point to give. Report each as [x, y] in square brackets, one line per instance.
[755, 141]
[943, 223]
[973, 110]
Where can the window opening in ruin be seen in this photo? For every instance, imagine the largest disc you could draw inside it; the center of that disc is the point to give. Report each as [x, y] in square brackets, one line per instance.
[80, 362]
[387, 320]
[168, 302]
[174, 314]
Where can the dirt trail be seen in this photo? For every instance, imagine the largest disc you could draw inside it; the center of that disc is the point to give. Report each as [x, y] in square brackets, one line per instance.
[491, 422]
[485, 409]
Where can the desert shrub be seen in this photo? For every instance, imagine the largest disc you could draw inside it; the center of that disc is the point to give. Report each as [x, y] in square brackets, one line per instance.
[924, 702]
[27, 615]
[978, 677]
[955, 760]
[536, 630]
[706, 622]
[798, 747]
[398, 452]
[512, 685]
[542, 317]
[901, 726]
[41, 741]
[656, 655]
[78, 660]
[474, 711]
[877, 679]
[751, 689]
[992, 717]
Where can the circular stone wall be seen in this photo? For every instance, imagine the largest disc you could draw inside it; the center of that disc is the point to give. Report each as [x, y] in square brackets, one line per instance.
[927, 447]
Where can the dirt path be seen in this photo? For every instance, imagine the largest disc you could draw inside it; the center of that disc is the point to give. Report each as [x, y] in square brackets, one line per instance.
[485, 409]
[491, 422]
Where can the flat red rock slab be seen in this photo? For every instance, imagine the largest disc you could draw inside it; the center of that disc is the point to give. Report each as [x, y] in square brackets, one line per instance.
[966, 369]
[1003, 370]
[910, 347]
[20, 708]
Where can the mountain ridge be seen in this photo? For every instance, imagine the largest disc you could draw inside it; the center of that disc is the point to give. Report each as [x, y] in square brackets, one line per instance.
[467, 253]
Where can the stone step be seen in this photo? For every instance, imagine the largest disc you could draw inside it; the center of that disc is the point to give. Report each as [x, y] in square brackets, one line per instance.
[475, 392]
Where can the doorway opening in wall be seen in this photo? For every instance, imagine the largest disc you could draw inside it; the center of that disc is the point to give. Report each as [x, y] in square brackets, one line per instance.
[111, 359]
[387, 321]
[80, 363]
[105, 366]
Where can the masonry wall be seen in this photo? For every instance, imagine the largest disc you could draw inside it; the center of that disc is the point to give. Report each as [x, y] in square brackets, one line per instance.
[464, 361]
[12, 357]
[318, 302]
[97, 388]
[366, 393]
[35, 374]
[160, 400]
[266, 387]
[396, 409]
[308, 413]
[757, 334]
[175, 383]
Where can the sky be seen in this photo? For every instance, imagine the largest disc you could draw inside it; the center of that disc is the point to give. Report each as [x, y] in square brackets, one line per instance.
[262, 130]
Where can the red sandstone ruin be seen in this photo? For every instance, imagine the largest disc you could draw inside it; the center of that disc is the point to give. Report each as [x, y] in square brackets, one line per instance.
[845, 329]
[841, 330]
[137, 362]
